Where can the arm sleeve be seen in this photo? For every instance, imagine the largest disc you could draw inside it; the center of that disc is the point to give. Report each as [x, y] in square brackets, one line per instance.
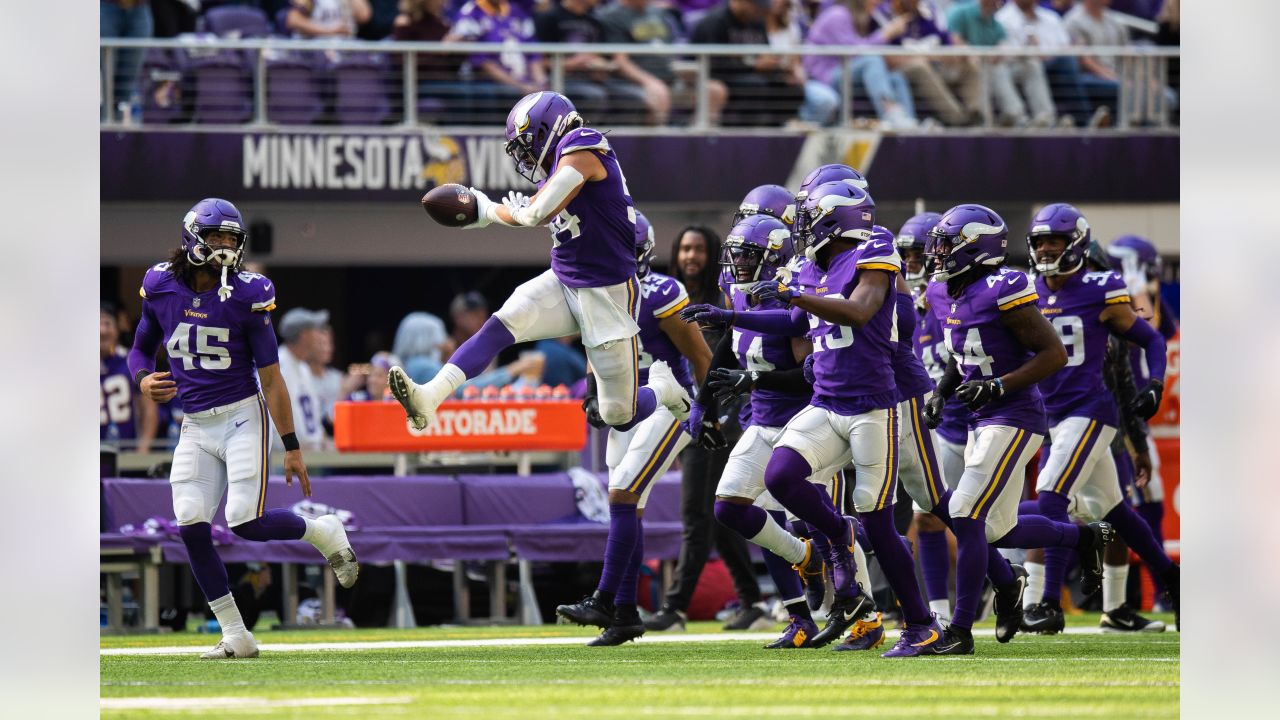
[788, 381]
[950, 380]
[146, 340]
[721, 357]
[1142, 334]
[262, 340]
[1119, 374]
[790, 323]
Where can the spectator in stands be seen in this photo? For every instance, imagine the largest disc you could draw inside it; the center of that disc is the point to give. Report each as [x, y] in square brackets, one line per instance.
[643, 22]
[974, 23]
[374, 375]
[173, 17]
[426, 21]
[1167, 35]
[327, 18]
[382, 16]
[498, 80]
[330, 384]
[821, 101]
[761, 90]
[1027, 24]
[851, 22]
[1089, 24]
[949, 88]
[610, 90]
[125, 414]
[421, 342]
[125, 19]
[302, 331]
[690, 12]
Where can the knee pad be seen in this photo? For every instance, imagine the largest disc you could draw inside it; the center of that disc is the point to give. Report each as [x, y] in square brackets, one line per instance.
[188, 507]
[238, 512]
[518, 314]
[614, 412]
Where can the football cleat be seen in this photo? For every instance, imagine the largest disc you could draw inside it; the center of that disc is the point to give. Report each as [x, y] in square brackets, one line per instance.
[337, 550]
[752, 617]
[844, 568]
[798, 634]
[954, 641]
[1091, 556]
[1043, 619]
[920, 640]
[593, 610]
[865, 635]
[670, 393]
[813, 573]
[406, 391]
[1008, 605]
[845, 611]
[1126, 619]
[1172, 580]
[624, 626]
[667, 620]
[232, 647]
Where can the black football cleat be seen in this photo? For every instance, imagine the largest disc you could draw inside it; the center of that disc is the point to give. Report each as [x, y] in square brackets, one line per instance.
[1101, 535]
[593, 610]
[668, 619]
[625, 626]
[1125, 619]
[1043, 619]
[845, 611]
[1172, 579]
[1008, 605]
[955, 640]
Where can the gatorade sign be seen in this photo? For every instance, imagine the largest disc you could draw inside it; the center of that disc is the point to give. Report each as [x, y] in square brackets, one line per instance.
[551, 425]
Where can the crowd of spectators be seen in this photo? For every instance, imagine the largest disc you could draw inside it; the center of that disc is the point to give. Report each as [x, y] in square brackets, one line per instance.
[901, 92]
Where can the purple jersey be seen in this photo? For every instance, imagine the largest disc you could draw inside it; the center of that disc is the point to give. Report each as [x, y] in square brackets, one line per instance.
[985, 349]
[594, 236]
[214, 347]
[1078, 390]
[756, 351]
[480, 21]
[909, 373]
[931, 348]
[661, 296]
[116, 416]
[853, 366]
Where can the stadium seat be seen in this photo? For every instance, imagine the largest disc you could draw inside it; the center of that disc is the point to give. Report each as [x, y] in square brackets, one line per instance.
[223, 84]
[361, 88]
[293, 89]
[161, 87]
[235, 21]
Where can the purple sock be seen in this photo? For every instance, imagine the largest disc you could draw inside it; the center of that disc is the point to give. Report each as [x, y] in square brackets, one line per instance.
[273, 525]
[1029, 507]
[971, 568]
[998, 568]
[935, 563]
[1153, 514]
[626, 594]
[787, 479]
[784, 576]
[646, 403]
[474, 355]
[896, 563]
[1137, 534]
[1053, 506]
[1036, 531]
[746, 520]
[619, 548]
[211, 574]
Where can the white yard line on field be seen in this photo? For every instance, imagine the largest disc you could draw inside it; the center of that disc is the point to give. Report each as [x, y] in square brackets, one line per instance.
[239, 703]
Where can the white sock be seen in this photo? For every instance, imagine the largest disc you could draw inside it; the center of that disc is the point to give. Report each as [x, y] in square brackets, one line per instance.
[1035, 584]
[941, 608]
[319, 537]
[444, 384]
[224, 608]
[1115, 581]
[780, 542]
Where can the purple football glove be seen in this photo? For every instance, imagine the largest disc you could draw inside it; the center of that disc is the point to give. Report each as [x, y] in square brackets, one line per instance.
[705, 432]
[809, 377]
[707, 315]
[766, 290]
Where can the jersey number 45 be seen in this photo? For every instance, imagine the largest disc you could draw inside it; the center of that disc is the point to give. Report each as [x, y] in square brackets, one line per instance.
[211, 356]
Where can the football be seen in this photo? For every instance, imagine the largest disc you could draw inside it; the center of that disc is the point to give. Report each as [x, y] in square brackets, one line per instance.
[451, 205]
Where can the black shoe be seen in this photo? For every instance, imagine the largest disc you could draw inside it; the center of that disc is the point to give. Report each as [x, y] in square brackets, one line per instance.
[1008, 605]
[955, 641]
[668, 619]
[813, 573]
[1172, 578]
[1043, 619]
[750, 617]
[625, 626]
[1125, 619]
[593, 610]
[845, 611]
[1101, 535]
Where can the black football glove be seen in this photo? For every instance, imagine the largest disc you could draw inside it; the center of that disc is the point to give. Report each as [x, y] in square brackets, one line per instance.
[591, 406]
[977, 393]
[1148, 400]
[704, 431]
[727, 383]
[933, 411]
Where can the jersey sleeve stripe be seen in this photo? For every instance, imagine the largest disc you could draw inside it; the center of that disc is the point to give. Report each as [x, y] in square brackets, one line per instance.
[1019, 301]
[1117, 300]
[265, 306]
[1018, 295]
[1118, 292]
[870, 265]
[603, 145]
[674, 307]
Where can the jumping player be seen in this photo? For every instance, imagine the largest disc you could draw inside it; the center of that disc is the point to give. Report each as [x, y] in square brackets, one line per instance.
[218, 336]
[1005, 346]
[591, 287]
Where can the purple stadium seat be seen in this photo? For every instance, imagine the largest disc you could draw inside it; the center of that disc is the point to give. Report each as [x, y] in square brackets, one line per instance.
[361, 87]
[223, 82]
[293, 89]
[235, 21]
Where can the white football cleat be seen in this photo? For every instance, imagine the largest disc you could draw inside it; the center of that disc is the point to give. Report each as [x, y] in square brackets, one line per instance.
[408, 393]
[233, 647]
[337, 550]
[668, 390]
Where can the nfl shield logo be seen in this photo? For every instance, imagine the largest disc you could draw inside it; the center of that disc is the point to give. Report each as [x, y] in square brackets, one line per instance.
[953, 307]
[195, 302]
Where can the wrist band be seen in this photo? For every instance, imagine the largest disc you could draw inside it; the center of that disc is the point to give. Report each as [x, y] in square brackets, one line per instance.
[137, 378]
[290, 441]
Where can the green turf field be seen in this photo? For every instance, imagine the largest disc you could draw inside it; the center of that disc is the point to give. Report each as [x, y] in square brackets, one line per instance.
[1114, 676]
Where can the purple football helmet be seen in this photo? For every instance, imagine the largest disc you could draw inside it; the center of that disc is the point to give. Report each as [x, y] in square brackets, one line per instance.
[967, 236]
[910, 243]
[1133, 254]
[772, 200]
[644, 244]
[754, 250]
[535, 126]
[824, 174]
[214, 215]
[1058, 220]
[837, 209]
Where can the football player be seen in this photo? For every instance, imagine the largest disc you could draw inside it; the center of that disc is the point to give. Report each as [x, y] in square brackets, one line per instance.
[993, 331]
[772, 200]
[213, 321]
[638, 456]
[591, 287]
[853, 413]
[122, 414]
[1079, 478]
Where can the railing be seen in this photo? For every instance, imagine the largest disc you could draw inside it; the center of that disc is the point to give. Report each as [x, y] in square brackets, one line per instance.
[271, 83]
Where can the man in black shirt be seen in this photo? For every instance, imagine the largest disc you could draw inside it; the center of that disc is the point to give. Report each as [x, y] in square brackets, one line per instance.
[761, 91]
